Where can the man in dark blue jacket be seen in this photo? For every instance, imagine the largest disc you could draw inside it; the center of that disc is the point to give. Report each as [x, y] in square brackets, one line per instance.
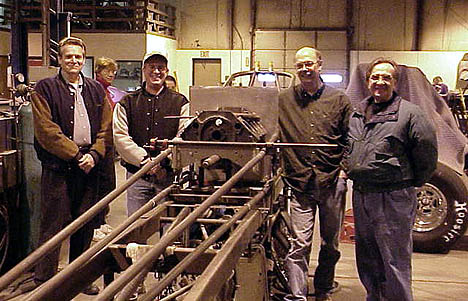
[392, 148]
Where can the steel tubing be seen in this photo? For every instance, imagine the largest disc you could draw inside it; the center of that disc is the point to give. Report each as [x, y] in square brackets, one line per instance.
[27, 263]
[179, 292]
[130, 288]
[210, 282]
[245, 144]
[180, 267]
[206, 221]
[109, 292]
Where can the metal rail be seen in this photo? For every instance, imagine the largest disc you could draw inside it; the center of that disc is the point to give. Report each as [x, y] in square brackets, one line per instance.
[177, 142]
[109, 292]
[31, 260]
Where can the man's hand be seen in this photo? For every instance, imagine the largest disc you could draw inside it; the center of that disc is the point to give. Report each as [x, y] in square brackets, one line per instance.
[86, 163]
[156, 170]
[341, 186]
[159, 172]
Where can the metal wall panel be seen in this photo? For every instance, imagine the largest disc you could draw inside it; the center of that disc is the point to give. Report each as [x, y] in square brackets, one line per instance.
[277, 14]
[204, 24]
[298, 39]
[334, 59]
[331, 40]
[445, 25]
[300, 13]
[385, 25]
[323, 13]
[269, 40]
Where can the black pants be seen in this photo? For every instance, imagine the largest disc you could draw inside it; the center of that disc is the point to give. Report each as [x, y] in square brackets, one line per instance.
[65, 195]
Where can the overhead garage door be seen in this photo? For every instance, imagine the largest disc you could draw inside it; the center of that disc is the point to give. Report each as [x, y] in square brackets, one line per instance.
[279, 47]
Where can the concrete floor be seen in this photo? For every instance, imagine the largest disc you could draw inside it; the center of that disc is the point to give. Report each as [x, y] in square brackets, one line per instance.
[436, 277]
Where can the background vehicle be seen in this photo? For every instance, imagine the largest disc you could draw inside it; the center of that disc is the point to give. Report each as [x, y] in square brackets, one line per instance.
[458, 99]
[261, 78]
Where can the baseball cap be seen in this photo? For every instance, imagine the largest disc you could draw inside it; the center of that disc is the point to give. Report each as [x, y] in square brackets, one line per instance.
[154, 54]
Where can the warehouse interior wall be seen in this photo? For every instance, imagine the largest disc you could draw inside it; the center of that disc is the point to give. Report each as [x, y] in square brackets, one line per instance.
[231, 61]
[431, 63]
[430, 34]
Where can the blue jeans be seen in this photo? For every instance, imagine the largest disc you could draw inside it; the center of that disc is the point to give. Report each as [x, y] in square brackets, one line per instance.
[383, 225]
[330, 203]
[142, 191]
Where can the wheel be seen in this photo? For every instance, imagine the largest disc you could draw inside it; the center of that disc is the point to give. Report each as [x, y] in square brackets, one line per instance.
[441, 215]
[4, 234]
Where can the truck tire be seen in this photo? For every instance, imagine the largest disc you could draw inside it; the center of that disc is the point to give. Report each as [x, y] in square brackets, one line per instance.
[441, 214]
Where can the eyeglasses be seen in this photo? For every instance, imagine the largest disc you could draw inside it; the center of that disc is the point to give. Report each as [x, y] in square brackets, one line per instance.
[307, 65]
[384, 77]
[108, 71]
[154, 67]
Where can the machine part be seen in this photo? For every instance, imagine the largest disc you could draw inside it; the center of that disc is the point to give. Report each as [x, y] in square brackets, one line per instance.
[6, 133]
[135, 252]
[239, 212]
[132, 286]
[442, 211]
[233, 126]
[178, 293]
[225, 126]
[4, 233]
[263, 102]
[159, 248]
[212, 279]
[195, 152]
[432, 208]
[182, 266]
[210, 161]
[251, 276]
[8, 169]
[282, 234]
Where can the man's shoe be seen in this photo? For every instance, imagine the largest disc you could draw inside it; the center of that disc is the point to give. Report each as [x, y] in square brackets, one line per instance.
[336, 287]
[91, 289]
[323, 297]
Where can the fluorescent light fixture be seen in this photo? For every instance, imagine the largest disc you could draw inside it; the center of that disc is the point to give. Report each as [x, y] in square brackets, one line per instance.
[332, 78]
[266, 77]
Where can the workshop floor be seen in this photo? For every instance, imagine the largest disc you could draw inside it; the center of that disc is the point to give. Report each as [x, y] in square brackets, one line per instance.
[436, 277]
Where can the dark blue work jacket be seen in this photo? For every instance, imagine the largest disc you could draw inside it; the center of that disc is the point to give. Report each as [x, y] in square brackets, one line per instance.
[396, 148]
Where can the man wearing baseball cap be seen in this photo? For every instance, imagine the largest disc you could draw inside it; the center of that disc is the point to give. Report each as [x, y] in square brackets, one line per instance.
[138, 117]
